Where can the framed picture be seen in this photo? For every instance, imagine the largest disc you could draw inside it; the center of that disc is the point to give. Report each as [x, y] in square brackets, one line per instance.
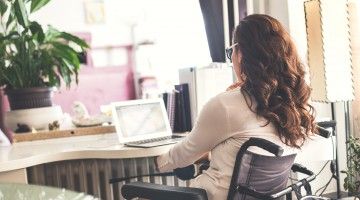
[94, 11]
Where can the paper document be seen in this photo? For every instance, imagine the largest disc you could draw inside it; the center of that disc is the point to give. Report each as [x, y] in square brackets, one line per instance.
[4, 141]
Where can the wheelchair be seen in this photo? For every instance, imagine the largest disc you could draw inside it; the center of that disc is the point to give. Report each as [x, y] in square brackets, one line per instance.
[254, 176]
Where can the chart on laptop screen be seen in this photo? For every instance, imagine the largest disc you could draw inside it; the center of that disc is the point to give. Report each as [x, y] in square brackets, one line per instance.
[141, 119]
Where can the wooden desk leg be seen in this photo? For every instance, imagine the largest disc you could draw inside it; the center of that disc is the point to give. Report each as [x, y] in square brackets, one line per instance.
[14, 176]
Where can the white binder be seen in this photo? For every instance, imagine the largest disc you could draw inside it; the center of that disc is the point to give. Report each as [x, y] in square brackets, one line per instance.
[205, 83]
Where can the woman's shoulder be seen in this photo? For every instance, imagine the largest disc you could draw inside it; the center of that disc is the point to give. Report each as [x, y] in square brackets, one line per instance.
[229, 98]
[231, 94]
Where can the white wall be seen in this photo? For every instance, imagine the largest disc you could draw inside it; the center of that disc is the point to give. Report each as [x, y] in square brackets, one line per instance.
[175, 26]
[275, 8]
[69, 15]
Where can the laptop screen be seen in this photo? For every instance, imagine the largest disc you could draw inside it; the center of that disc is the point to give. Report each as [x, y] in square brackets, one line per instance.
[141, 119]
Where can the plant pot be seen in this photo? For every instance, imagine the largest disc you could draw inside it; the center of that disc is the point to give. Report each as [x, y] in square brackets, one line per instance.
[37, 118]
[29, 97]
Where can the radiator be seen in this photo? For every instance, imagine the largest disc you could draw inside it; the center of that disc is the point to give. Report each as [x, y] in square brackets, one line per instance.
[92, 175]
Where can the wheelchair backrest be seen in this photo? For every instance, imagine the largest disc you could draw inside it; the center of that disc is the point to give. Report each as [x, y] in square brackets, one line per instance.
[264, 174]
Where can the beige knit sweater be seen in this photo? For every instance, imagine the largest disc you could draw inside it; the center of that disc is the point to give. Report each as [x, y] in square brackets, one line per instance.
[223, 125]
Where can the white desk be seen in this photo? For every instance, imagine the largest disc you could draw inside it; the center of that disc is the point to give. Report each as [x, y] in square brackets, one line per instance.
[63, 162]
[19, 156]
[16, 158]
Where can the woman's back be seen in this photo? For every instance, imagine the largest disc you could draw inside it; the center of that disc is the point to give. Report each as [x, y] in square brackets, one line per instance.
[239, 125]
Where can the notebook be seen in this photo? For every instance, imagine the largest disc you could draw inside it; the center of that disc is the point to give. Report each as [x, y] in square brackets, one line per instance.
[143, 123]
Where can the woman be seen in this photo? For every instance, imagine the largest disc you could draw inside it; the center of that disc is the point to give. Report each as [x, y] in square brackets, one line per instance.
[271, 102]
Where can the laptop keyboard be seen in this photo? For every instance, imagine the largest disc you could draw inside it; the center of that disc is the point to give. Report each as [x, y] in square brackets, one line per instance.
[154, 140]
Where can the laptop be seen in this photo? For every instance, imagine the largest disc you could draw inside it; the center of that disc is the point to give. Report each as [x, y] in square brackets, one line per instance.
[143, 123]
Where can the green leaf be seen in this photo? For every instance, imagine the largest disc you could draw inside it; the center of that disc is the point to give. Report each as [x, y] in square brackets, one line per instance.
[37, 4]
[36, 29]
[3, 7]
[51, 34]
[21, 13]
[11, 18]
[67, 53]
[74, 39]
[65, 74]
[12, 35]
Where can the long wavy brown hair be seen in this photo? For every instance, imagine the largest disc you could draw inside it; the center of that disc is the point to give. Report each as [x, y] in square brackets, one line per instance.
[274, 78]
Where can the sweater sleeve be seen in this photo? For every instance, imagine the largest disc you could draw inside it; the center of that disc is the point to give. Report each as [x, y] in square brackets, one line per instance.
[210, 129]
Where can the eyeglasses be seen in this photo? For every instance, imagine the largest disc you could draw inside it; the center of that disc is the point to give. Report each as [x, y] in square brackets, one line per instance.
[229, 51]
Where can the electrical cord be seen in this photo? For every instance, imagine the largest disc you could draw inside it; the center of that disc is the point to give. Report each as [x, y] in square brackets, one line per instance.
[323, 188]
[332, 169]
[323, 167]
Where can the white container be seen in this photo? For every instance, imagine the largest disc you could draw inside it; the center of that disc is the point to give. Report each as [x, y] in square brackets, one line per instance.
[38, 118]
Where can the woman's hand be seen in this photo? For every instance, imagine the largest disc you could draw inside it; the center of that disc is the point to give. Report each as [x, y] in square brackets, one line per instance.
[156, 163]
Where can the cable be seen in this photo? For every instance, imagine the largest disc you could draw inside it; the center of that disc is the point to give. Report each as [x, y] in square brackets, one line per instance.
[321, 188]
[325, 187]
[323, 167]
[332, 169]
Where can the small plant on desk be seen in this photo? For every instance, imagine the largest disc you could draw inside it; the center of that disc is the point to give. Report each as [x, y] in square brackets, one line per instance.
[351, 181]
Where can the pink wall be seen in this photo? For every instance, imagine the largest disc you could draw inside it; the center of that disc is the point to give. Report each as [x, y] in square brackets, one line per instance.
[98, 86]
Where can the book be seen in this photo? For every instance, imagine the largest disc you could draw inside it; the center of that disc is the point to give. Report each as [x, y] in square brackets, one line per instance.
[169, 101]
[171, 108]
[182, 109]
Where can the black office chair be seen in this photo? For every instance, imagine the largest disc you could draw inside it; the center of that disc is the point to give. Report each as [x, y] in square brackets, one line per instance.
[254, 177]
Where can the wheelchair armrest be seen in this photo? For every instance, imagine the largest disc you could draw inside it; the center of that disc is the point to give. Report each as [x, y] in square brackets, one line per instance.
[299, 168]
[266, 145]
[323, 132]
[327, 124]
[161, 192]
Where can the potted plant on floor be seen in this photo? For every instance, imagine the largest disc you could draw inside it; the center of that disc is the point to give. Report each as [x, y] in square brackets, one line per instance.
[352, 179]
[34, 61]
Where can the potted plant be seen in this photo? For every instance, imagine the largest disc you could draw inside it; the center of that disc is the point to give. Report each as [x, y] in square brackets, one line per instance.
[352, 179]
[34, 61]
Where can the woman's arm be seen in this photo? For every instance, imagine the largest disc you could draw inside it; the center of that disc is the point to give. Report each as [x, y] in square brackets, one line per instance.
[211, 128]
[205, 157]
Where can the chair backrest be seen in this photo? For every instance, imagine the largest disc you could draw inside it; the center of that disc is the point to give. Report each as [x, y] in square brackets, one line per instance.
[263, 174]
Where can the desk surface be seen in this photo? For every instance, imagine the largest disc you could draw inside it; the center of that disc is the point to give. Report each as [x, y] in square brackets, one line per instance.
[107, 146]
